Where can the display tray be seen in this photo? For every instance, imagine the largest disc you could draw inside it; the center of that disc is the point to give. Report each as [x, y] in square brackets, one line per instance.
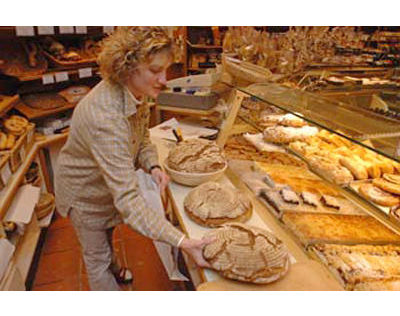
[68, 64]
[361, 267]
[32, 113]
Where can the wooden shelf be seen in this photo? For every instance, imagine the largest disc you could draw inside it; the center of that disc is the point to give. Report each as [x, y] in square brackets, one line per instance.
[15, 181]
[32, 113]
[71, 73]
[7, 103]
[199, 69]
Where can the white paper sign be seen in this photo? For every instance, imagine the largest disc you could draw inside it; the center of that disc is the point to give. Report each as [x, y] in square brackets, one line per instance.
[67, 29]
[48, 79]
[85, 72]
[62, 76]
[108, 29]
[6, 251]
[22, 206]
[25, 30]
[45, 30]
[80, 29]
[6, 174]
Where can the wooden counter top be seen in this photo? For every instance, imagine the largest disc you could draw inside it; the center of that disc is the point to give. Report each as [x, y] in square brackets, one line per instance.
[305, 274]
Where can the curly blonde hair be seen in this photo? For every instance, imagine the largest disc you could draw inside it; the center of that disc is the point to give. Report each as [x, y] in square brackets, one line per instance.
[128, 46]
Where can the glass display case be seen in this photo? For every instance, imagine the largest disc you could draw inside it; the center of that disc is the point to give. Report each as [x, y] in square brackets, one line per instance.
[344, 119]
[332, 182]
[355, 150]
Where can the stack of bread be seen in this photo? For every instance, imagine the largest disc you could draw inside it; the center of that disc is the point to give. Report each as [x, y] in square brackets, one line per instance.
[341, 160]
[288, 128]
[384, 191]
[12, 128]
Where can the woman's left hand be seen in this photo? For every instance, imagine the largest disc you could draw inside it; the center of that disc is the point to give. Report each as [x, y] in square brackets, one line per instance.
[160, 177]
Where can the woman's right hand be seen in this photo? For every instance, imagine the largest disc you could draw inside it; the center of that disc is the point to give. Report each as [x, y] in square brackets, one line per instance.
[194, 248]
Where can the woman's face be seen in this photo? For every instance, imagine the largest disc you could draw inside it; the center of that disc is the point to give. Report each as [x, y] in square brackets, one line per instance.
[149, 77]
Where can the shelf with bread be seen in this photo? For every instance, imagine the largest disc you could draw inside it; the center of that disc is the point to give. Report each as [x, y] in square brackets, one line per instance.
[340, 160]
[327, 221]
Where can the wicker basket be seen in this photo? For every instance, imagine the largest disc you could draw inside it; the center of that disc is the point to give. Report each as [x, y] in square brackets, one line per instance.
[70, 64]
[193, 179]
[245, 73]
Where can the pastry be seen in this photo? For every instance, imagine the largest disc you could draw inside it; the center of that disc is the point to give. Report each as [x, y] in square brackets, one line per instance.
[378, 196]
[309, 198]
[330, 201]
[196, 156]
[289, 196]
[362, 267]
[212, 204]
[313, 228]
[247, 253]
[292, 120]
[284, 134]
[357, 169]
[15, 124]
[387, 185]
[331, 169]
[393, 178]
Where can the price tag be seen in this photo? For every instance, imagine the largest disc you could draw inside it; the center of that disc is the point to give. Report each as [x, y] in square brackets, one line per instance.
[25, 30]
[108, 29]
[85, 72]
[48, 79]
[6, 174]
[45, 30]
[67, 29]
[62, 76]
[80, 29]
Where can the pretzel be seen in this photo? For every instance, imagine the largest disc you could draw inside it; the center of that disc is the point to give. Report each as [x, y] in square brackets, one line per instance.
[16, 125]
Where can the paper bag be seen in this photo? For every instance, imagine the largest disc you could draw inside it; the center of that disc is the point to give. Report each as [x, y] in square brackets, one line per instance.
[168, 255]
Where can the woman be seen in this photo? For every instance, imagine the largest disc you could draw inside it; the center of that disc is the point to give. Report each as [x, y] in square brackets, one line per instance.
[96, 185]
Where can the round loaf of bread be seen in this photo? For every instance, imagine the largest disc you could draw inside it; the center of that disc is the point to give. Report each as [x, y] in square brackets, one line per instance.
[196, 155]
[212, 204]
[247, 253]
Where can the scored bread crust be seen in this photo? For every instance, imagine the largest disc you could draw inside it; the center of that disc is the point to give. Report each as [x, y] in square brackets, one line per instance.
[246, 253]
[212, 204]
[196, 156]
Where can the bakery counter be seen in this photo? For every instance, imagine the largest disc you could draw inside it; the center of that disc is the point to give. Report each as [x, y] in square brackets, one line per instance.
[304, 274]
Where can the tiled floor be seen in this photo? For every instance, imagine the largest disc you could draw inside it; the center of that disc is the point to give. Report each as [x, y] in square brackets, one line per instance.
[61, 267]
